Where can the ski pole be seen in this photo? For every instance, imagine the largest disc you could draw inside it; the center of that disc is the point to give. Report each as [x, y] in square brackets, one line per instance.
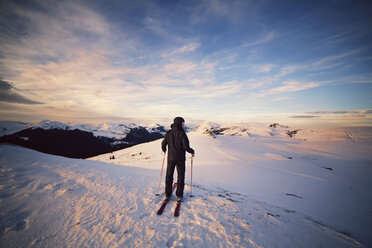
[192, 159]
[161, 172]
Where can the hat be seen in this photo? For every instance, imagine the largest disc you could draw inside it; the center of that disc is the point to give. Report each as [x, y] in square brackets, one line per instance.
[178, 121]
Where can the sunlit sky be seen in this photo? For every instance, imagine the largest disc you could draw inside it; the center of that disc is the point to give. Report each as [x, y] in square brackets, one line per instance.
[286, 61]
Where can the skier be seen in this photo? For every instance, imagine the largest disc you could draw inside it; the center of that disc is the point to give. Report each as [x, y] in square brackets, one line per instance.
[178, 144]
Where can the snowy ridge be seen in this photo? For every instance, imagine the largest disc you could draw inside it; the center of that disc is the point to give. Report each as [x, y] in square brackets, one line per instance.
[242, 129]
[109, 130]
[214, 129]
[154, 127]
[47, 124]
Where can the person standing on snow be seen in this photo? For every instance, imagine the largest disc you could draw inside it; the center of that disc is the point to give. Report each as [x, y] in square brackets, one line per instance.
[178, 145]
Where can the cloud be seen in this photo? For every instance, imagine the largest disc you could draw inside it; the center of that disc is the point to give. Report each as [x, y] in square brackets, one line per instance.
[179, 68]
[90, 80]
[266, 68]
[284, 71]
[54, 31]
[265, 39]
[246, 47]
[280, 98]
[328, 62]
[260, 89]
[143, 57]
[304, 116]
[318, 66]
[188, 48]
[365, 78]
[155, 25]
[289, 87]
[67, 62]
[8, 94]
[254, 84]
[331, 112]
[231, 11]
[331, 115]
[339, 112]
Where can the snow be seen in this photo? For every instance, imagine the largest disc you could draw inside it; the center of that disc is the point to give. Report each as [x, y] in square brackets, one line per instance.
[205, 126]
[47, 124]
[108, 130]
[10, 127]
[264, 189]
[151, 128]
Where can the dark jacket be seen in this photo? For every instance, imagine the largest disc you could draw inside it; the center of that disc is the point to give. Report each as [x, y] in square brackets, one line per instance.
[177, 142]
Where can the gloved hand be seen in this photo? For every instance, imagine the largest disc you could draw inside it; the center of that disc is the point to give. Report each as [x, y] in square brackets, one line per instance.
[192, 152]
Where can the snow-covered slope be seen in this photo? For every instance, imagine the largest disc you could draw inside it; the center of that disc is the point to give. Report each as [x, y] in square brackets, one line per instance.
[321, 174]
[9, 127]
[258, 190]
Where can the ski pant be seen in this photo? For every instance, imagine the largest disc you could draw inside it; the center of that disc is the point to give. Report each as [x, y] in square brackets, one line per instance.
[180, 164]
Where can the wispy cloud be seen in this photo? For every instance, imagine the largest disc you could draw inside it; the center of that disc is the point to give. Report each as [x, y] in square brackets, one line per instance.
[90, 80]
[314, 66]
[246, 46]
[55, 31]
[9, 94]
[304, 116]
[286, 87]
[332, 113]
[265, 39]
[188, 48]
[179, 68]
[137, 58]
[365, 78]
[331, 118]
[292, 86]
[329, 62]
[156, 26]
[266, 68]
[342, 112]
[231, 11]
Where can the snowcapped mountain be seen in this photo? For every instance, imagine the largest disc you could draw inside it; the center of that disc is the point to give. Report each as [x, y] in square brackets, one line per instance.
[265, 189]
[242, 129]
[108, 130]
[82, 140]
[214, 129]
[85, 140]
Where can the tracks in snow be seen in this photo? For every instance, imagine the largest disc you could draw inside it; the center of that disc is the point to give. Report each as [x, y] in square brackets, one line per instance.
[230, 156]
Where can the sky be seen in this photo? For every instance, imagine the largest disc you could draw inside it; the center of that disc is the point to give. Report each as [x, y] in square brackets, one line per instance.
[294, 62]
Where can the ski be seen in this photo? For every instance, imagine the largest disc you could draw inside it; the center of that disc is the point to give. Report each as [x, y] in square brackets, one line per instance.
[161, 209]
[177, 210]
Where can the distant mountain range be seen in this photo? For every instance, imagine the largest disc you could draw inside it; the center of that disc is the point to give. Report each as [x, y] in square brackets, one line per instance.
[81, 141]
[85, 140]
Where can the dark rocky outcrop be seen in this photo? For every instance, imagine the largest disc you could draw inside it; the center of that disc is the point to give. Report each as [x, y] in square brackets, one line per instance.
[276, 125]
[292, 133]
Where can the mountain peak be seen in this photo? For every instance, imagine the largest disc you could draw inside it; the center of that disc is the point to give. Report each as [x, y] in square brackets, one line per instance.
[48, 124]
